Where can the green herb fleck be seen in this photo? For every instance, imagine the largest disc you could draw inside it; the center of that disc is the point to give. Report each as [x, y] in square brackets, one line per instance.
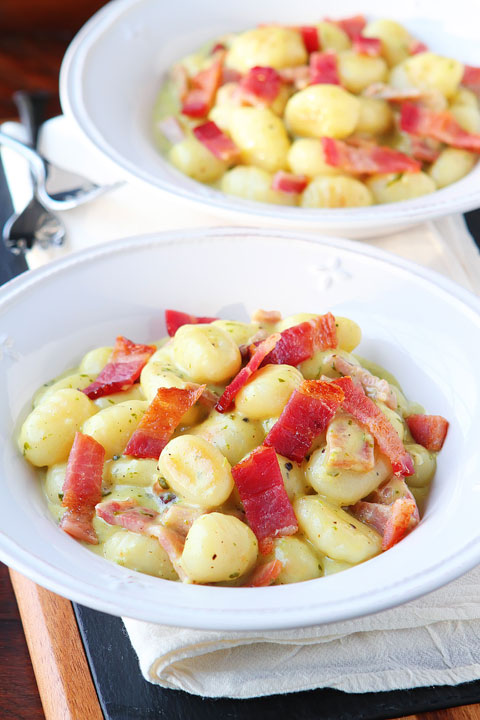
[234, 575]
[163, 482]
[60, 496]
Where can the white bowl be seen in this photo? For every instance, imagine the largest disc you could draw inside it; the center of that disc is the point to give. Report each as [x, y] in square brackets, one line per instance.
[115, 66]
[422, 327]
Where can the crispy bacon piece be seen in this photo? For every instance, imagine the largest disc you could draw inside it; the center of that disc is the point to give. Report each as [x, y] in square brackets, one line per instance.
[367, 160]
[324, 68]
[308, 412]
[289, 183]
[122, 370]
[370, 46]
[82, 488]
[175, 319]
[265, 574]
[246, 373]
[203, 88]
[263, 83]
[373, 385]
[230, 75]
[391, 510]
[215, 140]
[471, 78]
[309, 35]
[353, 26]
[300, 342]
[416, 46]
[437, 125]
[217, 47]
[260, 484]
[392, 521]
[160, 420]
[428, 430]
[367, 413]
[266, 316]
[208, 399]
[126, 513]
[424, 149]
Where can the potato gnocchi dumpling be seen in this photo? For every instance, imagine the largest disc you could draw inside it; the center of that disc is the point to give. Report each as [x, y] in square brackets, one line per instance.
[234, 453]
[269, 114]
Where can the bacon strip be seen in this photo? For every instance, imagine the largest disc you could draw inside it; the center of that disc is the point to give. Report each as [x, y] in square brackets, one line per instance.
[124, 367]
[163, 415]
[367, 160]
[241, 379]
[471, 78]
[204, 85]
[265, 574]
[324, 68]
[353, 26]
[367, 413]
[309, 35]
[131, 516]
[424, 149]
[175, 319]
[289, 183]
[373, 385]
[381, 91]
[215, 140]
[300, 342]
[370, 46]
[127, 514]
[428, 430]
[299, 76]
[308, 412]
[260, 484]
[263, 83]
[417, 46]
[180, 517]
[391, 509]
[82, 488]
[437, 125]
[266, 316]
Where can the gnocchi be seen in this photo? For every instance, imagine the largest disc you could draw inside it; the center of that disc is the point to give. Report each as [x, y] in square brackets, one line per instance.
[262, 485]
[310, 117]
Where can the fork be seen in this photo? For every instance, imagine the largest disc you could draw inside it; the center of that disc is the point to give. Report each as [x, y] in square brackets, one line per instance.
[83, 191]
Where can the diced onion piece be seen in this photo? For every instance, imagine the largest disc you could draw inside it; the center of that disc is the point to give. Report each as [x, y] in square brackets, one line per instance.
[171, 129]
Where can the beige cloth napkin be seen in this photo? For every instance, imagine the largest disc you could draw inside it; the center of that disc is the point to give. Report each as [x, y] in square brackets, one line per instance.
[434, 640]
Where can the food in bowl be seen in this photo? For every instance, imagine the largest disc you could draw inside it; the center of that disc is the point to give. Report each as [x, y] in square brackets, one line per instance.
[234, 453]
[344, 113]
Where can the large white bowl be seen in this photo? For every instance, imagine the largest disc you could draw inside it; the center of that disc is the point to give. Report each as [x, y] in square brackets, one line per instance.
[117, 63]
[422, 327]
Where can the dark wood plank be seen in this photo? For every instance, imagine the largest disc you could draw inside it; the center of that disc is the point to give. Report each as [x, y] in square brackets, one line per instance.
[19, 698]
[59, 662]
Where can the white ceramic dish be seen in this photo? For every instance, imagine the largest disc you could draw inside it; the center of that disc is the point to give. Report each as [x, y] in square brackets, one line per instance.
[422, 327]
[116, 65]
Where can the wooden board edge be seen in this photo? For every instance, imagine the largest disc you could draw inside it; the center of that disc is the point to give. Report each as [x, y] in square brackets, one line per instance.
[61, 668]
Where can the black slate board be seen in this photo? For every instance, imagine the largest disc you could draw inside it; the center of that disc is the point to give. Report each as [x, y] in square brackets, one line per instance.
[125, 695]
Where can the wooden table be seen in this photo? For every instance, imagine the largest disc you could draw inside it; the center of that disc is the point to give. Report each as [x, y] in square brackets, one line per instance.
[19, 696]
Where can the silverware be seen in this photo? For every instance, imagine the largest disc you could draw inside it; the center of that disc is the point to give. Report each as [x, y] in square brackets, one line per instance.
[34, 225]
[83, 190]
